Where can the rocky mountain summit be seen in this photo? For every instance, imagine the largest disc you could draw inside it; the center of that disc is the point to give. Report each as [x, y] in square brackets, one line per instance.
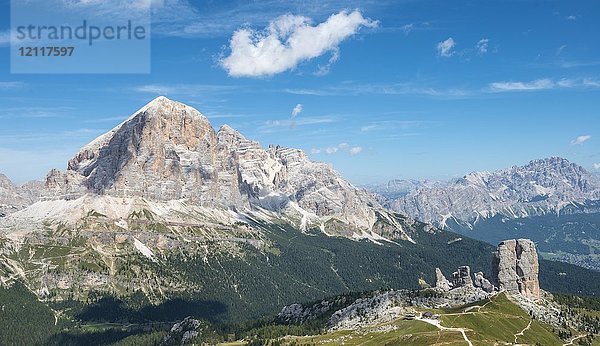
[165, 190]
[168, 151]
[514, 269]
[538, 188]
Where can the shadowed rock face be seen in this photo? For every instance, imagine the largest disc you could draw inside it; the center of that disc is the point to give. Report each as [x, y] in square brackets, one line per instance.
[483, 283]
[462, 277]
[515, 267]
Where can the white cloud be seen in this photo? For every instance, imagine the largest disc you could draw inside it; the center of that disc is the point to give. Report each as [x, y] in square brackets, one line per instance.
[544, 84]
[287, 41]
[184, 89]
[539, 84]
[297, 110]
[331, 150]
[571, 17]
[597, 166]
[581, 139]
[11, 85]
[395, 125]
[482, 46]
[589, 82]
[324, 69]
[566, 83]
[445, 48]
[303, 121]
[34, 112]
[407, 28]
[355, 150]
[342, 147]
[382, 89]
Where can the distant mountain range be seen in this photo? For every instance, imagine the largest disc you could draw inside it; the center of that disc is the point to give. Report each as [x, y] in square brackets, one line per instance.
[547, 195]
[14, 198]
[538, 188]
[397, 188]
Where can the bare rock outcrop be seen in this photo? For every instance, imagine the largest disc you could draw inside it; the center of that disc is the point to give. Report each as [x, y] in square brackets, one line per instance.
[483, 283]
[462, 277]
[515, 268]
[440, 281]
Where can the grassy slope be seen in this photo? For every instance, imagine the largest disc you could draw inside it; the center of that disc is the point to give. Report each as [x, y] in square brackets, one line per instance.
[497, 321]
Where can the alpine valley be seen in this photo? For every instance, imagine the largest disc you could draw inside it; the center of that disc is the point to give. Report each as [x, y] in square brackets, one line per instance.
[165, 230]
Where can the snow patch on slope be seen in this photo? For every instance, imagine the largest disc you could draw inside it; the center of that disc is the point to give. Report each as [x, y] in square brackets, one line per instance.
[141, 247]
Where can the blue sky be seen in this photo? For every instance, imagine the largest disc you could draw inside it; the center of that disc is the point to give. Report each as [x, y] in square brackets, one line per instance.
[411, 89]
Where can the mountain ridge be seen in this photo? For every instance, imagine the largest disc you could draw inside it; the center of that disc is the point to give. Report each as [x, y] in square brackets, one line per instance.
[542, 186]
[169, 151]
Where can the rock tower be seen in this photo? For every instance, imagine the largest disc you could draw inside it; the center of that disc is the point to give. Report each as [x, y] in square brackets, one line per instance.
[515, 268]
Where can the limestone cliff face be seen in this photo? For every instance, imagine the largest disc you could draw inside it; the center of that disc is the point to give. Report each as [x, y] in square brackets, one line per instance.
[14, 198]
[170, 151]
[166, 151]
[515, 267]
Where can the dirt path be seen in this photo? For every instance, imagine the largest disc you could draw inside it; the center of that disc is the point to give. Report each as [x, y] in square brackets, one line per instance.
[573, 339]
[439, 326]
[523, 331]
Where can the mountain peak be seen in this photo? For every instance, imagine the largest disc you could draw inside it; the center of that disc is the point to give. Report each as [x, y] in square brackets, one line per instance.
[553, 160]
[542, 186]
[228, 129]
[168, 151]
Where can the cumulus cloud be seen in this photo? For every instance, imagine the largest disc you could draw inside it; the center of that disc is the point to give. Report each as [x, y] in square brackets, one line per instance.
[355, 150]
[287, 41]
[571, 17]
[446, 48]
[315, 151]
[597, 166]
[297, 110]
[482, 46]
[581, 139]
